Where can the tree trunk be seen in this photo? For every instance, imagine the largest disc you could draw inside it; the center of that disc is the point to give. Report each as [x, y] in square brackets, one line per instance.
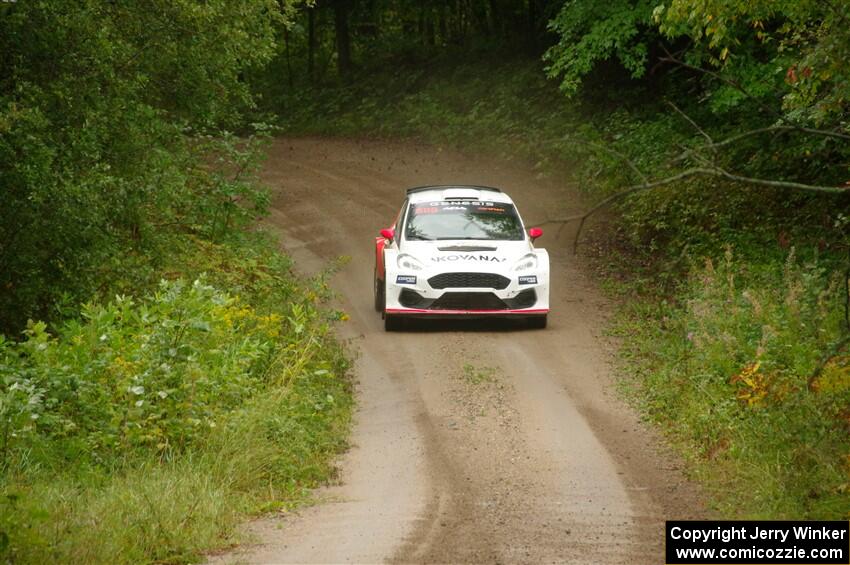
[288, 57]
[430, 31]
[443, 27]
[343, 38]
[461, 22]
[494, 21]
[311, 43]
[420, 23]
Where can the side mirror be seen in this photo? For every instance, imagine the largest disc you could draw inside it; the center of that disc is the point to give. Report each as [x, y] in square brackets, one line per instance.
[387, 233]
[534, 233]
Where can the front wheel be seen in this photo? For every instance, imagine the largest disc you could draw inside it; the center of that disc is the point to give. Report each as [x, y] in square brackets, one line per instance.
[537, 322]
[393, 323]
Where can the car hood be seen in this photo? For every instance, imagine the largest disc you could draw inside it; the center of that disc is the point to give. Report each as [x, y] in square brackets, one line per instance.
[469, 255]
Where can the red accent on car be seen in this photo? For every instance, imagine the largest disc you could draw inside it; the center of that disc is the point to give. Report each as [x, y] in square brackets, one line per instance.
[534, 233]
[380, 243]
[387, 234]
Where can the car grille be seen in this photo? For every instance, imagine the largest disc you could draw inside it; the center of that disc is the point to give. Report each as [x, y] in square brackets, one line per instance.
[469, 280]
[469, 301]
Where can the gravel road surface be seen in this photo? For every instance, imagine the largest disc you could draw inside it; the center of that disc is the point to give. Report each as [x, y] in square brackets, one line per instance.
[473, 442]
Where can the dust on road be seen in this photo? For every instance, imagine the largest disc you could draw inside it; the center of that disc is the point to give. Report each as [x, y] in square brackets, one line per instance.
[473, 442]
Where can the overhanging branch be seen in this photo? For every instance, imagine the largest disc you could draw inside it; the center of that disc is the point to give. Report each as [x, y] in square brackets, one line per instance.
[694, 171]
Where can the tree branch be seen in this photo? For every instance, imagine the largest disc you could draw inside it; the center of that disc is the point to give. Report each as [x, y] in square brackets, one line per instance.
[692, 122]
[707, 167]
[694, 171]
[780, 128]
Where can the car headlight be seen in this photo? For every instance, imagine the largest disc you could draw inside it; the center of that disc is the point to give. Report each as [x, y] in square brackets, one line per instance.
[410, 262]
[527, 263]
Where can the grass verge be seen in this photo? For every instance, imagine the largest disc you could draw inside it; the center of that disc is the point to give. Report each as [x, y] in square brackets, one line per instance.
[149, 429]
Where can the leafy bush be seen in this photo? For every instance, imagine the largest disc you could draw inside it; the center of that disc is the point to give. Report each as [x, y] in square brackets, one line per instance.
[261, 457]
[178, 411]
[154, 374]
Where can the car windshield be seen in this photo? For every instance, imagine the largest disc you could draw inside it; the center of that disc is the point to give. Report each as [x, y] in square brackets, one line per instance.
[465, 219]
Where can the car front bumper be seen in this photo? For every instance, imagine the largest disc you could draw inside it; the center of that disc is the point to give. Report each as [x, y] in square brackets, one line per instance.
[413, 295]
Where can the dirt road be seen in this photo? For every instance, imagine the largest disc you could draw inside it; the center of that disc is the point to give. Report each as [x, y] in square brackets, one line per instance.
[473, 442]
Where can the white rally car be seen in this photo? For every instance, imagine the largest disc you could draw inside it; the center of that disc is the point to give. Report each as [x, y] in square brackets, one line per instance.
[460, 251]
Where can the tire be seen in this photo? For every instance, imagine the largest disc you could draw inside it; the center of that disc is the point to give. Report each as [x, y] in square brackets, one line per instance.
[393, 323]
[379, 293]
[538, 322]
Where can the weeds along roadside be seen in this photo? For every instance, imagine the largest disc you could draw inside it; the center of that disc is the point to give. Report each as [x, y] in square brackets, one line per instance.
[736, 367]
[149, 426]
[732, 300]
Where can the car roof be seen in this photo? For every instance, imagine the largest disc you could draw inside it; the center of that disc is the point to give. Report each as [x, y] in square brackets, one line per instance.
[456, 191]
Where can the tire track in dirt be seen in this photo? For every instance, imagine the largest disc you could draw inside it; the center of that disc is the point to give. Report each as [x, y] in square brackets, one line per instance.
[538, 464]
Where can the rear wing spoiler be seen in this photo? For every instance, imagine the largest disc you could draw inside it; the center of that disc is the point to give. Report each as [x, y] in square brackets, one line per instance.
[443, 186]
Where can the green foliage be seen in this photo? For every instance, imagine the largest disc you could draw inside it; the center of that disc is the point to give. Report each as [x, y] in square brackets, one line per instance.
[311, 48]
[793, 49]
[590, 33]
[224, 195]
[145, 430]
[151, 375]
[728, 361]
[144, 427]
[455, 103]
[700, 215]
[730, 370]
[736, 67]
[96, 100]
[262, 457]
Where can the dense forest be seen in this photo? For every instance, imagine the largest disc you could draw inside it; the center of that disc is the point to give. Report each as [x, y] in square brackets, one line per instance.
[714, 134]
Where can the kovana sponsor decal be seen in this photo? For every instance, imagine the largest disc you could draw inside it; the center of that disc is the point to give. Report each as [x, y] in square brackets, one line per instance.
[468, 257]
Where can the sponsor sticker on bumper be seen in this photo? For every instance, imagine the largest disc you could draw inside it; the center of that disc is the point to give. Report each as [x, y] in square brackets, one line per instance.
[405, 279]
[528, 279]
